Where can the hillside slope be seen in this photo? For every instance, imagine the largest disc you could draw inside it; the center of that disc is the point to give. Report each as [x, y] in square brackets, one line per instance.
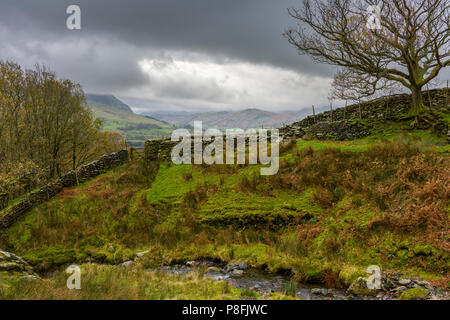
[108, 100]
[118, 117]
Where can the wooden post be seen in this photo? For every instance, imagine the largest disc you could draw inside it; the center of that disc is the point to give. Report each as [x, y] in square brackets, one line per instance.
[314, 112]
[345, 110]
[331, 109]
[359, 107]
[446, 96]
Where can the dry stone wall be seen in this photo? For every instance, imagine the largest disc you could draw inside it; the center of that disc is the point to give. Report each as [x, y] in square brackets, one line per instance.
[341, 123]
[72, 178]
[161, 150]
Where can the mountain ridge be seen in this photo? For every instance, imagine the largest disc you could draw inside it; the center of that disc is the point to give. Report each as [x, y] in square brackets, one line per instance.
[245, 119]
[108, 100]
[119, 117]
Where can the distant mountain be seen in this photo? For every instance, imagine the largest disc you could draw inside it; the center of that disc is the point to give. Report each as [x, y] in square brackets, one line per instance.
[118, 117]
[245, 119]
[108, 100]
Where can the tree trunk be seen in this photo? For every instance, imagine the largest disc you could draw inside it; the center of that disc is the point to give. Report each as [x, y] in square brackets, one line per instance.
[417, 105]
[359, 108]
[331, 112]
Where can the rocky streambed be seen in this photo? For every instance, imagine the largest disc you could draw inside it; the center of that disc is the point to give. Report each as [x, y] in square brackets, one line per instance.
[260, 281]
[239, 275]
[263, 282]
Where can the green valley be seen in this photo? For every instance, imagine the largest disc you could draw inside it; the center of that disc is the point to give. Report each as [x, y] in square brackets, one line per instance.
[118, 117]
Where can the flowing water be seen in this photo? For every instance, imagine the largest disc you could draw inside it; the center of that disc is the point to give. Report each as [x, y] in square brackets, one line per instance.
[260, 281]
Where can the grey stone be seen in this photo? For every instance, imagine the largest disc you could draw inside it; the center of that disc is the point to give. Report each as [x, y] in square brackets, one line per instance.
[232, 266]
[126, 264]
[319, 291]
[213, 269]
[400, 289]
[31, 277]
[10, 266]
[141, 254]
[5, 254]
[316, 291]
[359, 288]
[404, 282]
[422, 283]
[237, 273]
[243, 266]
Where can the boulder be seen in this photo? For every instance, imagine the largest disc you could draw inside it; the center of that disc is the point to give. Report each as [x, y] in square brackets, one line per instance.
[414, 294]
[400, 289]
[237, 273]
[213, 269]
[404, 282]
[232, 266]
[10, 266]
[359, 288]
[319, 291]
[141, 254]
[126, 264]
[243, 266]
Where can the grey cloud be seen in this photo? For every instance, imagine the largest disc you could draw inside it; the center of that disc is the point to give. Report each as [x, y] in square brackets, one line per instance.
[117, 34]
[248, 30]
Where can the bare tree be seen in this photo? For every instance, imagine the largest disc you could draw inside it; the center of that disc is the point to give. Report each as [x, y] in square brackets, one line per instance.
[349, 85]
[410, 46]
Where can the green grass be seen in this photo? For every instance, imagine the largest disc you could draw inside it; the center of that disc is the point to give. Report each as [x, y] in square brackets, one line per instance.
[240, 208]
[135, 128]
[323, 217]
[110, 282]
[423, 138]
[317, 145]
[171, 185]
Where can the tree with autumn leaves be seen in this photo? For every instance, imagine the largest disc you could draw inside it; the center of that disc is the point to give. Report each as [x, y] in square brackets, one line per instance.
[46, 129]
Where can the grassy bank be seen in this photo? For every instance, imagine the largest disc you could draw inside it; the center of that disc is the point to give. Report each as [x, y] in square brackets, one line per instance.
[100, 282]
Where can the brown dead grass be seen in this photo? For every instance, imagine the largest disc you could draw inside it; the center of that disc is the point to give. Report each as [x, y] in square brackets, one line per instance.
[409, 186]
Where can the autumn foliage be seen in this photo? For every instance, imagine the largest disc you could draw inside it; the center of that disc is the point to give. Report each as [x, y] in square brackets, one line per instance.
[45, 129]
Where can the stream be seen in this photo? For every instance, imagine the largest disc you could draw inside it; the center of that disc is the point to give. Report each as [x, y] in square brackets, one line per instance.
[260, 281]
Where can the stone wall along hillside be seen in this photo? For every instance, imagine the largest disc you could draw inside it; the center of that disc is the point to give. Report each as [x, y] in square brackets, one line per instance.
[340, 123]
[70, 179]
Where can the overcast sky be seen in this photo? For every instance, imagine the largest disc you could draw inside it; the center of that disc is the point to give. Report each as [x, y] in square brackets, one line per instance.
[191, 55]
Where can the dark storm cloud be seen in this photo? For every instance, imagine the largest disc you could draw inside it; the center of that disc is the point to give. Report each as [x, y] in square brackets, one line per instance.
[250, 30]
[204, 54]
[118, 35]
